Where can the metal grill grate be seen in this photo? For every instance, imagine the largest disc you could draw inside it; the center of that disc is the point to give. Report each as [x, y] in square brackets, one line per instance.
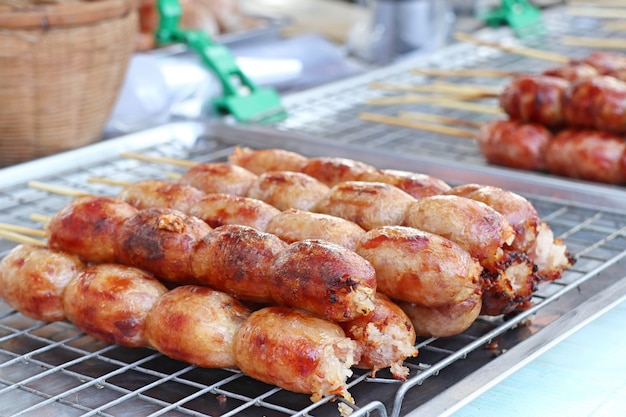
[53, 369]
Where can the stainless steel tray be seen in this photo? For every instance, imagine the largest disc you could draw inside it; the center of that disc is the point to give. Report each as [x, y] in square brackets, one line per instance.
[53, 369]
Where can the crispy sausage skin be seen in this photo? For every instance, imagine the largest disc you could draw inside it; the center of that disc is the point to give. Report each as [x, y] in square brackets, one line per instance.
[110, 302]
[385, 337]
[588, 155]
[160, 194]
[514, 144]
[32, 280]
[475, 226]
[297, 351]
[323, 278]
[415, 184]
[161, 241]
[237, 260]
[443, 321]
[287, 189]
[596, 103]
[417, 266]
[219, 177]
[196, 325]
[333, 170]
[536, 99]
[218, 209]
[519, 212]
[294, 225]
[368, 204]
[264, 160]
[88, 227]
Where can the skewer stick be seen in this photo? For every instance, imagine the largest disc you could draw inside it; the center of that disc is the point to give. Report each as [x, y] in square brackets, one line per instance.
[57, 189]
[174, 176]
[159, 159]
[23, 230]
[479, 91]
[40, 218]
[519, 50]
[109, 181]
[417, 98]
[435, 118]
[615, 25]
[20, 238]
[594, 42]
[446, 102]
[465, 72]
[415, 124]
[602, 12]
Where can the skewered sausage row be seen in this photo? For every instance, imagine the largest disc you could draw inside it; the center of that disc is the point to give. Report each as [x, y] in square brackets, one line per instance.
[582, 154]
[195, 324]
[513, 274]
[589, 103]
[373, 204]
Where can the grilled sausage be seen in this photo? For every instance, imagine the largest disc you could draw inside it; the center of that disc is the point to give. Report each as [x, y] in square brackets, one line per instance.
[110, 302]
[219, 177]
[264, 160]
[287, 189]
[196, 325]
[297, 351]
[32, 280]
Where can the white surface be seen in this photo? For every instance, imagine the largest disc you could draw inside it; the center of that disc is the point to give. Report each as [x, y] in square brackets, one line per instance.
[583, 375]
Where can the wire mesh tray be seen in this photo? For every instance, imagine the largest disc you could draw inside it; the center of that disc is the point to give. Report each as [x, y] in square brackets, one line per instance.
[54, 369]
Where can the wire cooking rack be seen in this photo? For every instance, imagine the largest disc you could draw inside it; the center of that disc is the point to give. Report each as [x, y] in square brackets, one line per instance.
[54, 369]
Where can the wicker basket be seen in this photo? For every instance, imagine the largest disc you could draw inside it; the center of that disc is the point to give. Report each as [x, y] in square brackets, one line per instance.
[62, 66]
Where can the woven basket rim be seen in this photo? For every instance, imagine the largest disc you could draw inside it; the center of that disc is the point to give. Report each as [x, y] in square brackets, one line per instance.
[65, 14]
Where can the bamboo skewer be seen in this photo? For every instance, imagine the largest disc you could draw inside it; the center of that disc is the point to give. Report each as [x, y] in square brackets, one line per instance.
[22, 229]
[40, 218]
[594, 42]
[601, 12]
[465, 72]
[520, 50]
[415, 124]
[478, 91]
[20, 238]
[57, 189]
[109, 181]
[450, 102]
[159, 159]
[615, 25]
[435, 118]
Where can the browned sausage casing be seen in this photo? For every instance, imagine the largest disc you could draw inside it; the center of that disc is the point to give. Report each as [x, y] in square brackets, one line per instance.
[418, 266]
[297, 351]
[536, 99]
[514, 144]
[287, 189]
[160, 194]
[443, 321]
[519, 212]
[478, 228]
[588, 155]
[294, 225]
[385, 336]
[264, 160]
[161, 241]
[110, 302]
[323, 278]
[368, 204]
[196, 325]
[413, 183]
[597, 103]
[32, 280]
[237, 259]
[219, 177]
[219, 209]
[88, 227]
[333, 170]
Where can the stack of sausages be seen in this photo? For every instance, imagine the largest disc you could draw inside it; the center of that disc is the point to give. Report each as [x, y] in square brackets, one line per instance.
[353, 260]
[569, 121]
